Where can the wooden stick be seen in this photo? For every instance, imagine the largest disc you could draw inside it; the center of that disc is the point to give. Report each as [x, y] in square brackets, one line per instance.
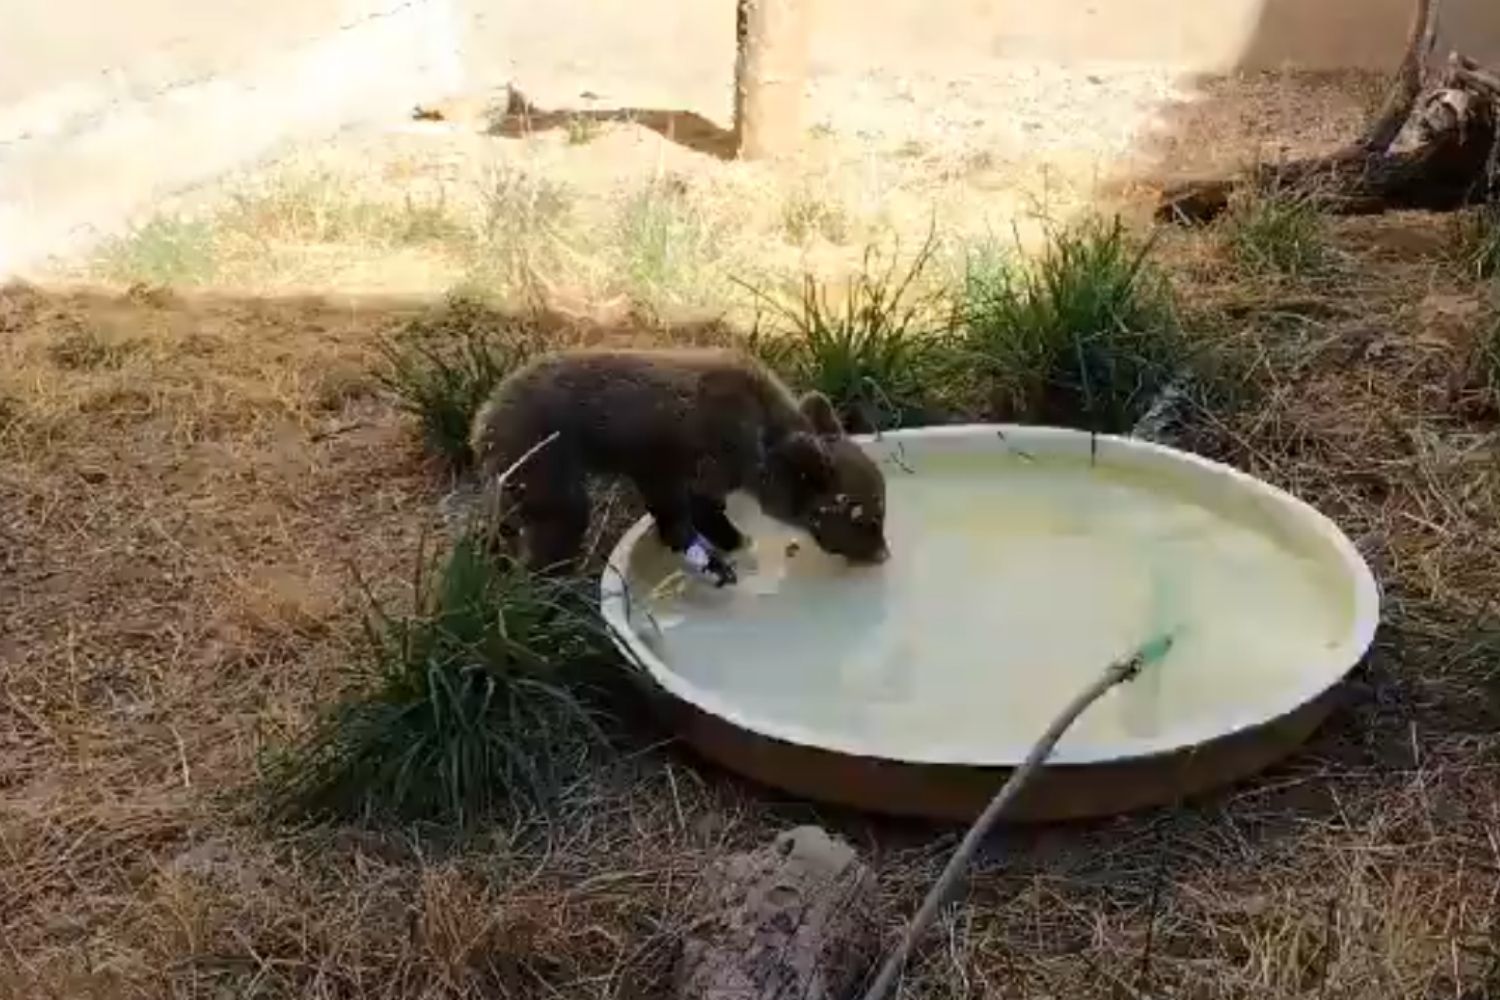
[1117, 673]
[1479, 79]
[496, 491]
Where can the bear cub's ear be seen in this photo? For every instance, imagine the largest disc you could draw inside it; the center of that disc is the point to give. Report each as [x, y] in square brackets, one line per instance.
[821, 414]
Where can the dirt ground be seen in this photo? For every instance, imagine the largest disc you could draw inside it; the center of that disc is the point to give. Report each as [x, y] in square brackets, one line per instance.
[619, 210]
[194, 455]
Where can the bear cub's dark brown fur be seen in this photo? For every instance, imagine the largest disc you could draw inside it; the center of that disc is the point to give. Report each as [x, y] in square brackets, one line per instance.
[687, 427]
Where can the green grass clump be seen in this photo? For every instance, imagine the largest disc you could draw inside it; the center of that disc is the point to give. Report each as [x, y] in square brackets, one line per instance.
[582, 129]
[166, 250]
[478, 704]
[1484, 367]
[522, 233]
[806, 213]
[319, 207]
[425, 222]
[1479, 240]
[1084, 336]
[1278, 232]
[665, 248]
[876, 353]
[442, 368]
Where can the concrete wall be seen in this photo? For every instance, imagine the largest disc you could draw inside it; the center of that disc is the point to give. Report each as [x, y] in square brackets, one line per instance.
[641, 53]
[1196, 35]
[679, 54]
[654, 49]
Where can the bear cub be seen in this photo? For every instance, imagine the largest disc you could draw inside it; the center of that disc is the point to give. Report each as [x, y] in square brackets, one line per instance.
[687, 427]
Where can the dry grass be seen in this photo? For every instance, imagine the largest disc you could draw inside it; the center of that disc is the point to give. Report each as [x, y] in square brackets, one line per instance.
[1478, 239]
[595, 217]
[1278, 232]
[180, 494]
[186, 479]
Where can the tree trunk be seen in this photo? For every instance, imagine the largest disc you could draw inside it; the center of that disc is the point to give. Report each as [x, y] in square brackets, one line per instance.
[1407, 86]
[770, 76]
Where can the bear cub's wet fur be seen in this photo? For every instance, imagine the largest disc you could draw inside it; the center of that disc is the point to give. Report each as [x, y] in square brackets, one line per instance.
[687, 427]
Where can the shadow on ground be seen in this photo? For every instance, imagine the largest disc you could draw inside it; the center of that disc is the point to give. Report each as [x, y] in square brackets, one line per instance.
[1225, 121]
[686, 128]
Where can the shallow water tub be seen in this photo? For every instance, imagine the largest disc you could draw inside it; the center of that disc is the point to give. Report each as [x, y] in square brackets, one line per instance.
[1024, 561]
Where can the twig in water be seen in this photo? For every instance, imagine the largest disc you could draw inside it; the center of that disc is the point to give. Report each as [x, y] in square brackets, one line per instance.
[1117, 673]
[1020, 453]
[899, 458]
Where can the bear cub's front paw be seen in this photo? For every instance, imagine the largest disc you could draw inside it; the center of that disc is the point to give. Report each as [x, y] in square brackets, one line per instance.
[704, 561]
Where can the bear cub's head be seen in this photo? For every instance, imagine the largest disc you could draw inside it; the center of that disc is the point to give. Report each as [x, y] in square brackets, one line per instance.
[823, 482]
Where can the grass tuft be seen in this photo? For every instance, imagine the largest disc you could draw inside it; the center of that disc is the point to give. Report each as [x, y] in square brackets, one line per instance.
[166, 250]
[441, 369]
[479, 705]
[1482, 369]
[425, 222]
[875, 354]
[807, 212]
[522, 232]
[1084, 336]
[665, 247]
[86, 349]
[582, 129]
[318, 207]
[1278, 232]
[1479, 241]
[258, 227]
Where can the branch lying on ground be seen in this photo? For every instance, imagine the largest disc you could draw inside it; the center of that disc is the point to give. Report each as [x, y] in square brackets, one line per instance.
[1451, 163]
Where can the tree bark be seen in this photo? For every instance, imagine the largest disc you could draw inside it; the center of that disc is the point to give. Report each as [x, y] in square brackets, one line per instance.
[770, 78]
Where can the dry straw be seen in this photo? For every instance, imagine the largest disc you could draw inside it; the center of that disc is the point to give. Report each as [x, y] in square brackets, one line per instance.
[938, 896]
